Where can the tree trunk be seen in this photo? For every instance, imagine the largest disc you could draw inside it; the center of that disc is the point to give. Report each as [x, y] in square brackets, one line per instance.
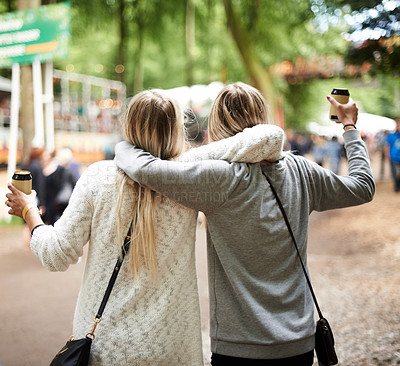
[10, 5]
[190, 41]
[122, 38]
[27, 121]
[259, 75]
[138, 82]
[210, 43]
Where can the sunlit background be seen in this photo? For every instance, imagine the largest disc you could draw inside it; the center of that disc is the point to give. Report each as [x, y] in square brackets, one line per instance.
[294, 53]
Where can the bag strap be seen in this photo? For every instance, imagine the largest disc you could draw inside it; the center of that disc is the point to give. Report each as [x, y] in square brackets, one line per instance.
[296, 246]
[117, 267]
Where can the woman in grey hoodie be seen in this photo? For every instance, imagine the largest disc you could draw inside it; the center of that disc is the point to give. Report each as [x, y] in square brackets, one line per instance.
[261, 310]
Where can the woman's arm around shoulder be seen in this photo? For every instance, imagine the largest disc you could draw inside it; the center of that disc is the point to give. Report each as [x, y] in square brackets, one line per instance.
[198, 185]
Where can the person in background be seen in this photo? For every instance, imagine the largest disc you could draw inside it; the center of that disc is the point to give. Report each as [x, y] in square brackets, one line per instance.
[261, 310]
[66, 159]
[291, 142]
[34, 165]
[393, 153]
[380, 151]
[69, 175]
[334, 150]
[152, 317]
[53, 182]
[318, 148]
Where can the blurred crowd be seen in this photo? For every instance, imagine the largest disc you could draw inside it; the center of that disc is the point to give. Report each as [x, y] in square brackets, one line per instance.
[5, 111]
[327, 152]
[54, 176]
[330, 153]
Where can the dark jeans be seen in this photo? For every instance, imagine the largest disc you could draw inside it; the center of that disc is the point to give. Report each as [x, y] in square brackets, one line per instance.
[306, 359]
[396, 175]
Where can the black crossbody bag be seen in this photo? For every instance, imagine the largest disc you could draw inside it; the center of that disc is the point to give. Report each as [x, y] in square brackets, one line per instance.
[76, 352]
[324, 341]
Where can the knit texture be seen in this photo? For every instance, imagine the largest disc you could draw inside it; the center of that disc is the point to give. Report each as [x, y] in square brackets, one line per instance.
[261, 142]
[143, 323]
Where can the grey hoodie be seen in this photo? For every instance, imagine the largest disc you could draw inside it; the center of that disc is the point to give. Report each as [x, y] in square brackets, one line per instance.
[260, 306]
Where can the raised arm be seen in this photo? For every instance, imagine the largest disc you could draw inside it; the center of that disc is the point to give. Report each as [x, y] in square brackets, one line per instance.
[330, 191]
[333, 191]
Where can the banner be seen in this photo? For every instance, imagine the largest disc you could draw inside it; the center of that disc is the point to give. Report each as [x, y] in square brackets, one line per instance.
[35, 34]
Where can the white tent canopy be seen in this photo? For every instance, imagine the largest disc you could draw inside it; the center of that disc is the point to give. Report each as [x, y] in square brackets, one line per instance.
[196, 94]
[367, 123]
[371, 123]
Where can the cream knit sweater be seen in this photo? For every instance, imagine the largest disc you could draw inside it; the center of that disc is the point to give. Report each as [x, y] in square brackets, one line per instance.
[143, 324]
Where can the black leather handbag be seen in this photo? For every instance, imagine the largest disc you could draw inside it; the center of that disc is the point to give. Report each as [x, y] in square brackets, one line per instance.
[325, 344]
[74, 353]
[77, 352]
[324, 341]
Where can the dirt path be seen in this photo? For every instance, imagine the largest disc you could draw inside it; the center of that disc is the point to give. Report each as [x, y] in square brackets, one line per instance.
[354, 262]
[354, 259]
[36, 306]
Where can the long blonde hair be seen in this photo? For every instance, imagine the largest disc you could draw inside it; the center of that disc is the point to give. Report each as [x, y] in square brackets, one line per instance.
[236, 107]
[154, 122]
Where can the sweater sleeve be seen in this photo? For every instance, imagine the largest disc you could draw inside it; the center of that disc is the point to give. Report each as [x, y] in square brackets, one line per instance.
[330, 191]
[201, 185]
[60, 245]
[252, 145]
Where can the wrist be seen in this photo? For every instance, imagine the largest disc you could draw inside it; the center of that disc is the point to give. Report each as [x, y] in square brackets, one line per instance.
[33, 218]
[349, 126]
[36, 228]
[27, 208]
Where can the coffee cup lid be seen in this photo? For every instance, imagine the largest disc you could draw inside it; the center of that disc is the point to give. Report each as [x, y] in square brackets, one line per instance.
[340, 91]
[22, 175]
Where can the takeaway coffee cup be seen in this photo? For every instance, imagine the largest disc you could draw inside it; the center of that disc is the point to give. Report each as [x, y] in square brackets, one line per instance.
[342, 96]
[22, 180]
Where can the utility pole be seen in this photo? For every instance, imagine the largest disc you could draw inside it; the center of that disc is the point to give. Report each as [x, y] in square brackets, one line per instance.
[190, 41]
[26, 109]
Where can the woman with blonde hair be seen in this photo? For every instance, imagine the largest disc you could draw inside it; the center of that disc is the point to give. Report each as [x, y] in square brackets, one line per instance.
[261, 310]
[152, 316]
[236, 107]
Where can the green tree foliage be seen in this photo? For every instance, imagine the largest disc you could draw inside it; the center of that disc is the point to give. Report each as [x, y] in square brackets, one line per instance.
[109, 33]
[375, 29]
[232, 40]
[267, 34]
[7, 6]
[381, 16]
[383, 54]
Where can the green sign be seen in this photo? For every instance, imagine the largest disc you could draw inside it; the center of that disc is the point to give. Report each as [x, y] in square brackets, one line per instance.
[35, 34]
